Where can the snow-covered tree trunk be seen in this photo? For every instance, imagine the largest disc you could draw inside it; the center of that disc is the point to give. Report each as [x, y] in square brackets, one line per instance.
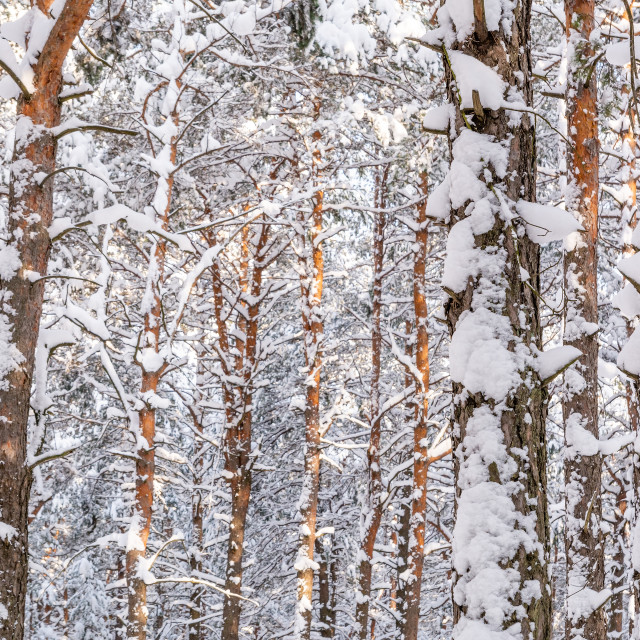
[197, 508]
[311, 266]
[583, 535]
[153, 365]
[25, 253]
[410, 611]
[238, 440]
[372, 511]
[501, 532]
[618, 561]
[326, 588]
[621, 569]
[627, 302]
[402, 524]
[152, 356]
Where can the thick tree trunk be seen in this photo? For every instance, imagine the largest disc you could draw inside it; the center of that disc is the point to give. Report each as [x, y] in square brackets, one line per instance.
[499, 409]
[30, 214]
[372, 512]
[584, 541]
[411, 610]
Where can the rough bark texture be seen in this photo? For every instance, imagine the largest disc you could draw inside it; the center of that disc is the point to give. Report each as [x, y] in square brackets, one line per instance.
[372, 512]
[583, 536]
[519, 417]
[30, 214]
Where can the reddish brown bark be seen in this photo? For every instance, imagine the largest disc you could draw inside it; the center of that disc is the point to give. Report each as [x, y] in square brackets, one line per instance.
[30, 214]
[237, 445]
[583, 535]
[146, 428]
[410, 612]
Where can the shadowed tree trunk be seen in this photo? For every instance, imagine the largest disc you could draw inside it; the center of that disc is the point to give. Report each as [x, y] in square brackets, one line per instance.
[492, 275]
[196, 612]
[617, 568]
[402, 526]
[629, 222]
[326, 589]
[237, 445]
[372, 511]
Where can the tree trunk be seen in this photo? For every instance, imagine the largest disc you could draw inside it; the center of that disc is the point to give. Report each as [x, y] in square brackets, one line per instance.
[195, 560]
[144, 432]
[372, 512]
[630, 221]
[622, 570]
[584, 543]
[618, 566]
[413, 578]
[238, 441]
[311, 283]
[30, 214]
[501, 541]
[402, 527]
[326, 589]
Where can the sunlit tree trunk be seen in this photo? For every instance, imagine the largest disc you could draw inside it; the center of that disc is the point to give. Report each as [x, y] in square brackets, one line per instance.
[144, 432]
[311, 261]
[413, 577]
[584, 543]
[27, 251]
